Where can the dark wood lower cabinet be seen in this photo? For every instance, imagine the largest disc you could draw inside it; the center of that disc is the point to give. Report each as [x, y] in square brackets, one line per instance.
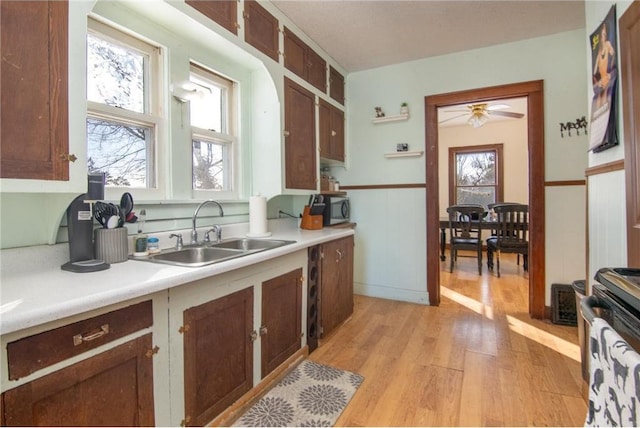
[218, 355]
[336, 283]
[281, 319]
[113, 388]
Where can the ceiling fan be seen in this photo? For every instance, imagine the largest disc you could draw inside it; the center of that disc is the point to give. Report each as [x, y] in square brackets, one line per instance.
[481, 112]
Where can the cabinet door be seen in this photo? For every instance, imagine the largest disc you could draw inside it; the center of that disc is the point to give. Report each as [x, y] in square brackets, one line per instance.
[261, 29]
[34, 112]
[337, 134]
[218, 355]
[336, 289]
[324, 128]
[224, 12]
[281, 319]
[316, 70]
[331, 131]
[336, 85]
[295, 54]
[113, 388]
[300, 137]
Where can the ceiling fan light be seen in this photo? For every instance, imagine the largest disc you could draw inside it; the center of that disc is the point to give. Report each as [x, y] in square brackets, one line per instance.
[477, 120]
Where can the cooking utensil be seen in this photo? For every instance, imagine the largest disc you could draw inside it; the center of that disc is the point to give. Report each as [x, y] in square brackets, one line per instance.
[316, 209]
[102, 212]
[113, 222]
[116, 212]
[126, 205]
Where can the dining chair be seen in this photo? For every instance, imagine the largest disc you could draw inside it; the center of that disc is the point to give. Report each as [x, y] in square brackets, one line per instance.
[511, 227]
[493, 231]
[465, 228]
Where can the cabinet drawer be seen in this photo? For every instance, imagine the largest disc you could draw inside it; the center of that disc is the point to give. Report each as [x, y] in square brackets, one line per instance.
[36, 352]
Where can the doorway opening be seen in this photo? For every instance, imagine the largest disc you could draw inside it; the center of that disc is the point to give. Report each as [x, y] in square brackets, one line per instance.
[533, 91]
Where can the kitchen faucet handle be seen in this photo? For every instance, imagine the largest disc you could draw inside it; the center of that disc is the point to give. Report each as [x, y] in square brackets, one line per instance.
[217, 229]
[178, 241]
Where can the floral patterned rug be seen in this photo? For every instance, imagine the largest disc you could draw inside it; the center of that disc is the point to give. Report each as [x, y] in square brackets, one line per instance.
[312, 394]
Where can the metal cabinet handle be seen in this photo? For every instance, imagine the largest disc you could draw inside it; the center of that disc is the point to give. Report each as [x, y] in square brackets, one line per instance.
[253, 336]
[263, 330]
[78, 339]
[339, 253]
[286, 133]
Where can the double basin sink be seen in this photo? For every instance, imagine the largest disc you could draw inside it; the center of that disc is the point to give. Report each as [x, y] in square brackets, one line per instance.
[198, 255]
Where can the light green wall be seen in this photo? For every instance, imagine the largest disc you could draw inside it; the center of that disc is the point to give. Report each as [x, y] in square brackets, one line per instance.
[400, 234]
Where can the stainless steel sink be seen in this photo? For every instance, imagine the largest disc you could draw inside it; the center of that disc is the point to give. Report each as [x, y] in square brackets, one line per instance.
[207, 253]
[252, 245]
[195, 256]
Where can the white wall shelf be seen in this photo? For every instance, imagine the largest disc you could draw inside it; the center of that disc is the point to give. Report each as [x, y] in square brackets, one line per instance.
[390, 118]
[403, 154]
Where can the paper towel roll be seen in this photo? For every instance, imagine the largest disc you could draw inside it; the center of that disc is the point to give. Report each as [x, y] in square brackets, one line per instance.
[258, 217]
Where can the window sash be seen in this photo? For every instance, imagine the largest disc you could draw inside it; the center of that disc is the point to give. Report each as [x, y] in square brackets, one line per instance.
[151, 117]
[455, 189]
[225, 136]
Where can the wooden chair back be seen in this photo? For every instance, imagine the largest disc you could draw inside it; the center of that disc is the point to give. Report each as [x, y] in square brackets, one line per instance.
[512, 227]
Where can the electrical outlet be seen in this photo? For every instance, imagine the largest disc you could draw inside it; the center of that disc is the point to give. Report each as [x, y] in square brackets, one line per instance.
[402, 147]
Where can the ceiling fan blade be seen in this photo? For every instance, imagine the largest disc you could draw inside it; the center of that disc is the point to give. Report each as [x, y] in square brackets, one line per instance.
[508, 114]
[451, 118]
[498, 106]
[456, 111]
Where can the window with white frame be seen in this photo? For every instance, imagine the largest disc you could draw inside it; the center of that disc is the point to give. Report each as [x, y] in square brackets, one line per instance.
[123, 107]
[213, 126]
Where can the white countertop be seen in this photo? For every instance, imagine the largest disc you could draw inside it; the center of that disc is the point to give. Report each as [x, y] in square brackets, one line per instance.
[34, 290]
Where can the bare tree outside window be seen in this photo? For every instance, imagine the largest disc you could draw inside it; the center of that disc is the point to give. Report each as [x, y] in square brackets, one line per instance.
[117, 144]
[210, 99]
[476, 176]
[208, 166]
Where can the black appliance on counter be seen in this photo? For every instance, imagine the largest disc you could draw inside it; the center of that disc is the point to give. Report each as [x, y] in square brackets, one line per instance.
[336, 210]
[80, 228]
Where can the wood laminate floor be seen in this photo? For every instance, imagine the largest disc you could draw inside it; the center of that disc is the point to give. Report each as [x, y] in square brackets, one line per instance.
[476, 360]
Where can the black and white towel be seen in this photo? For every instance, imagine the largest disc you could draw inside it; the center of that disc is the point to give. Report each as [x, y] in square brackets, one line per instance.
[614, 390]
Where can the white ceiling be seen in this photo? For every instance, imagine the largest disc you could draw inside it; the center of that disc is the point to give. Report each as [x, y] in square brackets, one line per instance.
[364, 34]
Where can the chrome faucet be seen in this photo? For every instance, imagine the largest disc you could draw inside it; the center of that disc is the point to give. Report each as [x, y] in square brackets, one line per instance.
[218, 231]
[178, 241]
[194, 232]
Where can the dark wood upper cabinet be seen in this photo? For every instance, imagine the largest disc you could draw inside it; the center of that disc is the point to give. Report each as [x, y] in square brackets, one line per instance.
[295, 53]
[336, 85]
[281, 319]
[317, 74]
[300, 137]
[34, 138]
[224, 12]
[304, 61]
[261, 29]
[218, 355]
[331, 131]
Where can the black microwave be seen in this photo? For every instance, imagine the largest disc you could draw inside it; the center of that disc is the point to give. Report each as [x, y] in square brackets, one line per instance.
[336, 210]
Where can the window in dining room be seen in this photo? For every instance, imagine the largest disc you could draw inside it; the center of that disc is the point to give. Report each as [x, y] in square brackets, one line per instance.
[476, 175]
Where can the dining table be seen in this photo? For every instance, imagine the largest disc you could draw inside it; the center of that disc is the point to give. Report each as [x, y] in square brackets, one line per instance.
[444, 225]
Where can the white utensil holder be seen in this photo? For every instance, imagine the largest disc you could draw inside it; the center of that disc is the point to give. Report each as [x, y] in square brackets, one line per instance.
[111, 245]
